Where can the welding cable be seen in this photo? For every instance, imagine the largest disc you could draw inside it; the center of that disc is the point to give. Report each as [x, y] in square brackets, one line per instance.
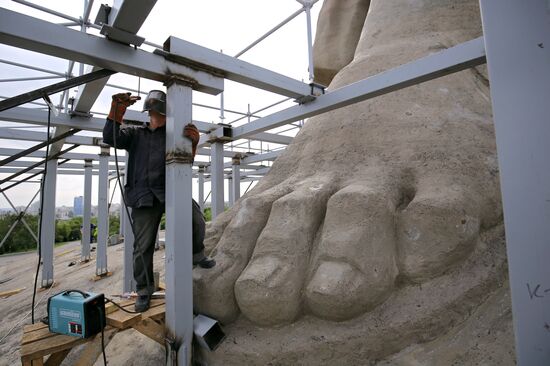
[120, 307]
[102, 325]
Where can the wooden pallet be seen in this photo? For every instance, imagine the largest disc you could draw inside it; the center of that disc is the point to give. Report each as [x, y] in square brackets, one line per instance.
[38, 342]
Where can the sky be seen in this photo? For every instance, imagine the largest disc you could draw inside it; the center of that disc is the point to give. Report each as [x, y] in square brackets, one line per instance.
[221, 25]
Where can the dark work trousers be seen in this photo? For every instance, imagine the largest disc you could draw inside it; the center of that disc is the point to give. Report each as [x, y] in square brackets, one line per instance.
[146, 224]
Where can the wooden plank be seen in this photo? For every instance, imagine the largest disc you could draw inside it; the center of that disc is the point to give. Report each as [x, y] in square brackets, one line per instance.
[33, 327]
[162, 286]
[42, 289]
[49, 345]
[35, 362]
[100, 277]
[56, 358]
[122, 320]
[37, 335]
[155, 313]
[11, 292]
[151, 329]
[93, 349]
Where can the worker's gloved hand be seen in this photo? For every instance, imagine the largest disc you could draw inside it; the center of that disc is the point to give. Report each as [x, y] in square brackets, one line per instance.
[120, 102]
[192, 132]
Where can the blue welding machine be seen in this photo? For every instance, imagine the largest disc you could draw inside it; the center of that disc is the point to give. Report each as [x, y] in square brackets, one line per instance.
[76, 313]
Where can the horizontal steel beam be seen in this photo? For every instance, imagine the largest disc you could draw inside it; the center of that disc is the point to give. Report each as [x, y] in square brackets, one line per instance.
[4, 151]
[272, 155]
[193, 55]
[11, 134]
[37, 147]
[39, 117]
[37, 164]
[37, 35]
[28, 178]
[26, 164]
[38, 170]
[454, 59]
[54, 88]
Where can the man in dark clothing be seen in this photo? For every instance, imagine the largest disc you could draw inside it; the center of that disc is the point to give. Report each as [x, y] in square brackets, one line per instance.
[144, 190]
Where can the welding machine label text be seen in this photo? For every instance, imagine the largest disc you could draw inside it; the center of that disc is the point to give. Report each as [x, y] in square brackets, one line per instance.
[69, 314]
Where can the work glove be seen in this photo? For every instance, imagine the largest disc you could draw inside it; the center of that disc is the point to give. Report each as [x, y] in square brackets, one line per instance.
[192, 132]
[120, 102]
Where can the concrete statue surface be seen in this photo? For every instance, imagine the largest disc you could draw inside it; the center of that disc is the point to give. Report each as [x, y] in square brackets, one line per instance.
[377, 236]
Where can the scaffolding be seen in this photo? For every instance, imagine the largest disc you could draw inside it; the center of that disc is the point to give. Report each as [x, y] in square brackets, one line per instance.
[185, 67]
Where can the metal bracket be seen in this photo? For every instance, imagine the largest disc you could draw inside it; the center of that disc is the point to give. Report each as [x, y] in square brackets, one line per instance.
[307, 3]
[80, 114]
[121, 36]
[103, 15]
[222, 134]
[316, 90]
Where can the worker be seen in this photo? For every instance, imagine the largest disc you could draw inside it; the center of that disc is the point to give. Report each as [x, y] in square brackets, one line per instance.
[144, 190]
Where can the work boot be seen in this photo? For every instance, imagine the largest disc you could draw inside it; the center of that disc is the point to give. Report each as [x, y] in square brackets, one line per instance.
[142, 303]
[203, 261]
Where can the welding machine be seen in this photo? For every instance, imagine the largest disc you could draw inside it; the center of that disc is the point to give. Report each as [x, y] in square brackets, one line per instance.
[76, 313]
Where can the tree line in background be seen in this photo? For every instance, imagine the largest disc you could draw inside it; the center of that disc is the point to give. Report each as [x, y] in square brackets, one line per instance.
[21, 240]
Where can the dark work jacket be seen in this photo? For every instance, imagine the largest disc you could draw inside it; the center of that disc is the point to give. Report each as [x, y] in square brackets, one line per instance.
[146, 164]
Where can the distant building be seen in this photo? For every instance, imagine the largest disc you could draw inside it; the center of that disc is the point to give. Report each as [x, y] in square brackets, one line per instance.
[78, 207]
[63, 213]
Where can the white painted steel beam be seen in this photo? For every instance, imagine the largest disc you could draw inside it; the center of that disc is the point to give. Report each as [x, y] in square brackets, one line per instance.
[102, 212]
[201, 188]
[36, 35]
[217, 179]
[234, 69]
[13, 134]
[47, 237]
[178, 262]
[129, 16]
[517, 38]
[60, 171]
[86, 215]
[40, 117]
[236, 179]
[454, 59]
[24, 164]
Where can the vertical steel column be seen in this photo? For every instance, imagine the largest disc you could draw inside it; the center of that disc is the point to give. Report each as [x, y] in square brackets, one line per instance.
[230, 199]
[308, 6]
[201, 187]
[48, 223]
[178, 241]
[216, 179]
[103, 212]
[128, 282]
[86, 215]
[517, 42]
[236, 175]
[121, 218]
